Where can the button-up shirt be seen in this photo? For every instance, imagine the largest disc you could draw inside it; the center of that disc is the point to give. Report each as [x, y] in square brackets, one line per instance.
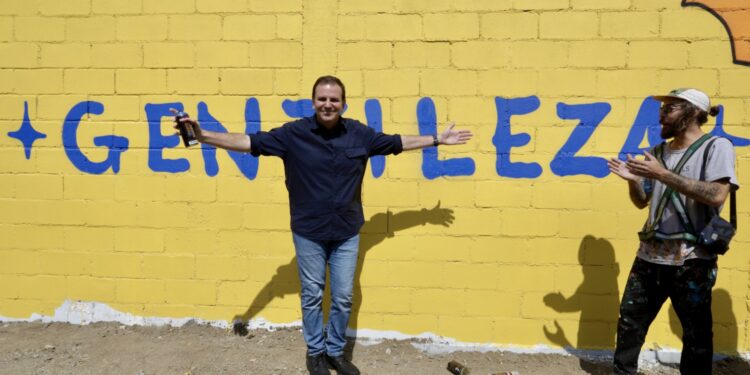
[324, 170]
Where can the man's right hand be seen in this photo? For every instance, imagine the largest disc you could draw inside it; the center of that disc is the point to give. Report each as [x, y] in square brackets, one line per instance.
[228, 141]
[637, 195]
[189, 122]
[620, 168]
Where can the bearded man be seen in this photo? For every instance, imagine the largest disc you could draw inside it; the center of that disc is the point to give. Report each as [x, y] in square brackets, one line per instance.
[682, 181]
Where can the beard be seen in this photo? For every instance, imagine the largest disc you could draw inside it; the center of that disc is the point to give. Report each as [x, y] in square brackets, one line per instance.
[667, 131]
[673, 129]
[675, 126]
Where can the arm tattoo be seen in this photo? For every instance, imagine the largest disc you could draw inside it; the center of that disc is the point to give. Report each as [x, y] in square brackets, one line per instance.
[701, 191]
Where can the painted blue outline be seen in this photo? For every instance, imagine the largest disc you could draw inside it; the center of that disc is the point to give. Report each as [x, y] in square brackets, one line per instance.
[504, 140]
[157, 142]
[116, 144]
[565, 163]
[26, 133]
[432, 167]
[246, 163]
[374, 115]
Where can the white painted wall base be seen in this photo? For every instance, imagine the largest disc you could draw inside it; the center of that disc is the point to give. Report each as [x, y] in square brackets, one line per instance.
[83, 313]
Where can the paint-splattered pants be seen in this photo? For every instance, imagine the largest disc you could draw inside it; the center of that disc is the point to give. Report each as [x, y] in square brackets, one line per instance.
[689, 288]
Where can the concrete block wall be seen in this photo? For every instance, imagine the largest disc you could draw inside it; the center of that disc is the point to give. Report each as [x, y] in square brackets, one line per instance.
[519, 238]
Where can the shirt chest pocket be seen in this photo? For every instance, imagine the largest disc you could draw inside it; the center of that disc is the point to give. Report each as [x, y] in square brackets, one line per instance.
[353, 160]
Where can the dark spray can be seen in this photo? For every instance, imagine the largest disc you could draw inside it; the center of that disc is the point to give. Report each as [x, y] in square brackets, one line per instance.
[456, 368]
[186, 131]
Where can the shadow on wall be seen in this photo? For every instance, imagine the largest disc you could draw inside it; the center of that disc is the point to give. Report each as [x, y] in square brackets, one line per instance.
[394, 223]
[597, 299]
[379, 227]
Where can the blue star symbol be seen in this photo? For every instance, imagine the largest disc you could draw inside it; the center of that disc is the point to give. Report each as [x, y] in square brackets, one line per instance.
[26, 134]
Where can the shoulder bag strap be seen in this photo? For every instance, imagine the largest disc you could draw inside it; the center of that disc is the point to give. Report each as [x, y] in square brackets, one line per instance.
[732, 194]
[668, 192]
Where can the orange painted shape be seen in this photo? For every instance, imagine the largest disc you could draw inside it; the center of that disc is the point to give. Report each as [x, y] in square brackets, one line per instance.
[743, 50]
[719, 5]
[735, 14]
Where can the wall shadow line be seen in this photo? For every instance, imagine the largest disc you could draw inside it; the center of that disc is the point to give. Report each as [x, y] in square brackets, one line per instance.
[726, 333]
[376, 229]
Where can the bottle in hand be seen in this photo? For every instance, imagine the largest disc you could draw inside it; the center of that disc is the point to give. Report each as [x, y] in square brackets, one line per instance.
[186, 132]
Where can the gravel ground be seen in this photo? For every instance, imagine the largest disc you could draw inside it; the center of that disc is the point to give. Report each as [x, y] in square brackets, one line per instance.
[108, 348]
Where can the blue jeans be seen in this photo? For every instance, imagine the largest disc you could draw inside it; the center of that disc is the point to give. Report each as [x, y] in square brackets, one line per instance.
[312, 258]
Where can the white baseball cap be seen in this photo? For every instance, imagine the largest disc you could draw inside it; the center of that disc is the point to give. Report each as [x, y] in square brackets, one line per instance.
[697, 97]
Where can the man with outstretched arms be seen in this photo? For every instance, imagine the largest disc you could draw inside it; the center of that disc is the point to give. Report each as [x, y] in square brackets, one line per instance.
[325, 157]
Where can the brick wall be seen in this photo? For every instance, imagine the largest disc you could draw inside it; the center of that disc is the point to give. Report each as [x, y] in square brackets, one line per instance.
[518, 238]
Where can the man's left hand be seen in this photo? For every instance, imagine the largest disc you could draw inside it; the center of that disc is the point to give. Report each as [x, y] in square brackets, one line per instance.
[648, 167]
[454, 137]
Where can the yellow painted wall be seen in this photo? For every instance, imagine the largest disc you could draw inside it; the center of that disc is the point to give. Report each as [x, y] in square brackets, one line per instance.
[479, 257]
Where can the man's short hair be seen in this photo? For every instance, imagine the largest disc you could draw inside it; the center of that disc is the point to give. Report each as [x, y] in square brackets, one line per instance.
[330, 80]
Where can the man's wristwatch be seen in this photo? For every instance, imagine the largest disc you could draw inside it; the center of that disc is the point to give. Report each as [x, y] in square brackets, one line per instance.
[435, 141]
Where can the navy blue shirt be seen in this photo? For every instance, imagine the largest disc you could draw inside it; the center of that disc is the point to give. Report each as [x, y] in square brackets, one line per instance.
[324, 170]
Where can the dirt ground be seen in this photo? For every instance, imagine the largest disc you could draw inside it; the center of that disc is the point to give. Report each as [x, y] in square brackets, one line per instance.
[109, 348]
